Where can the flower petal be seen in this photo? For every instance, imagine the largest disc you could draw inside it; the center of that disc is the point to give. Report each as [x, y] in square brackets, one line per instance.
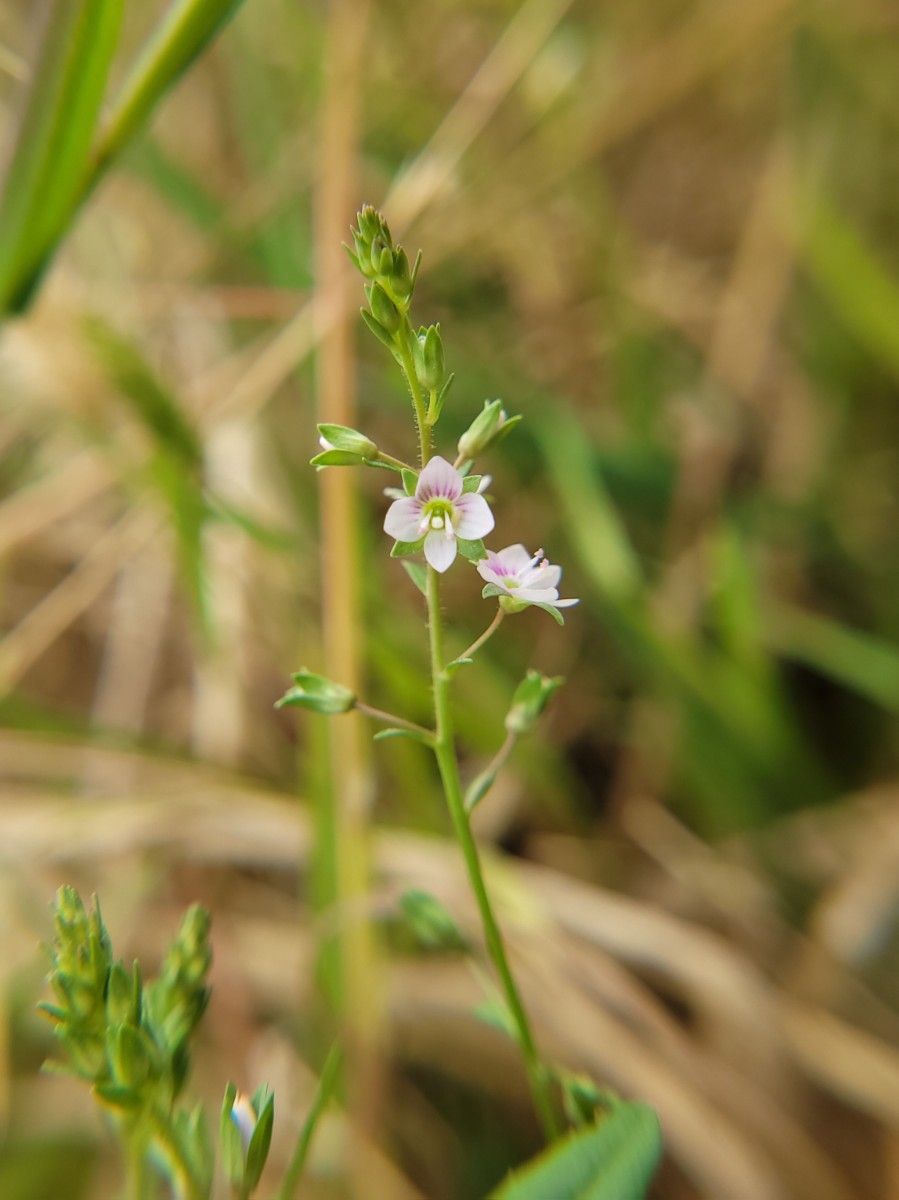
[438, 479]
[542, 577]
[488, 572]
[474, 516]
[514, 559]
[440, 549]
[403, 520]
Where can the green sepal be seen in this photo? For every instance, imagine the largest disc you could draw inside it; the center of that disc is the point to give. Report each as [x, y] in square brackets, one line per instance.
[410, 480]
[402, 549]
[471, 483]
[378, 330]
[553, 612]
[472, 550]
[418, 575]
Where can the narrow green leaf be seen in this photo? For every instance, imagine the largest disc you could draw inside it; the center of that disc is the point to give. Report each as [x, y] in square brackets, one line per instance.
[378, 330]
[614, 1160]
[50, 162]
[410, 480]
[336, 458]
[394, 731]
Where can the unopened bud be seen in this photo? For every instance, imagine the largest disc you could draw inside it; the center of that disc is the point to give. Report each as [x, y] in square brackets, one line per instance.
[383, 309]
[489, 426]
[318, 694]
[530, 699]
[430, 366]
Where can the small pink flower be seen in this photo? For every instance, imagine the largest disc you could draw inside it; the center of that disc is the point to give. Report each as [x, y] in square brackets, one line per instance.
[525, 579]
[439, 512]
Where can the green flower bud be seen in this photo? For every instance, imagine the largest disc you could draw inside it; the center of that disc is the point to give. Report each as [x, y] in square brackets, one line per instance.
[401, 277]
[354, 447]
[489, 426]
[123, 995]
[430, 366]
[530, 699]
[129, 1056]
[383, 309]
[317, 694]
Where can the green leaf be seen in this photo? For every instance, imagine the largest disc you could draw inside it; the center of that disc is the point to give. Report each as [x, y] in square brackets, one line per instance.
[614, 1160]
[472, 550]
[50, 161]
[431, 923]
[410, 480]
[337, 458]
[401, 549]
[419, 576]
[378, 330]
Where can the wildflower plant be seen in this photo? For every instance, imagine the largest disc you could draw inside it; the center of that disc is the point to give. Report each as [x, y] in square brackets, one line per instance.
[129, 1041]
[439, 513]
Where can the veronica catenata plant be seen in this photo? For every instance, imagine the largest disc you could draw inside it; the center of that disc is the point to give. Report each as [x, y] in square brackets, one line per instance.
[439, 514]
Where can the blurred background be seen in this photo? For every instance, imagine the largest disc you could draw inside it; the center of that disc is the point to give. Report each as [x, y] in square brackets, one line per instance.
[667, 234]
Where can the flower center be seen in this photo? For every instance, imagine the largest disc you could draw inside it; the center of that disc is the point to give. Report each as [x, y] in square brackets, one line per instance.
[438, 515]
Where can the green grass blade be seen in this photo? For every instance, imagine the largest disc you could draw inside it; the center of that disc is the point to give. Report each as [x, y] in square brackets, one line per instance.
[849, 272]
[181, 37]
[49, 164]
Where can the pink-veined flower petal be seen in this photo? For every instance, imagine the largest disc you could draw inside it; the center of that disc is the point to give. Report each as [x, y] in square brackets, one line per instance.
[474, 518]
[403, 519]
[438, 480]
[440, 549]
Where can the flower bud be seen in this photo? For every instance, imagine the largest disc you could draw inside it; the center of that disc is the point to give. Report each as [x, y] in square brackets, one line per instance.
[383, 309]
[347, 441]
[489, 426]
[430, 366]
[401, 277]
[530, 699]
[246, 1135]
[317, 694]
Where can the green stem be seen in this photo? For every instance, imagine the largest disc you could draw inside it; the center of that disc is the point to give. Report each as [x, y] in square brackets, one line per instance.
[137, 1176]
[445, 752]
[378, 714]
[486, 635]
[326, 1085]
[403, 336]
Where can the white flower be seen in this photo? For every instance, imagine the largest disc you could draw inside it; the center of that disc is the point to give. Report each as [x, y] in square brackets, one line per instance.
[524, 578]
[439, 512]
